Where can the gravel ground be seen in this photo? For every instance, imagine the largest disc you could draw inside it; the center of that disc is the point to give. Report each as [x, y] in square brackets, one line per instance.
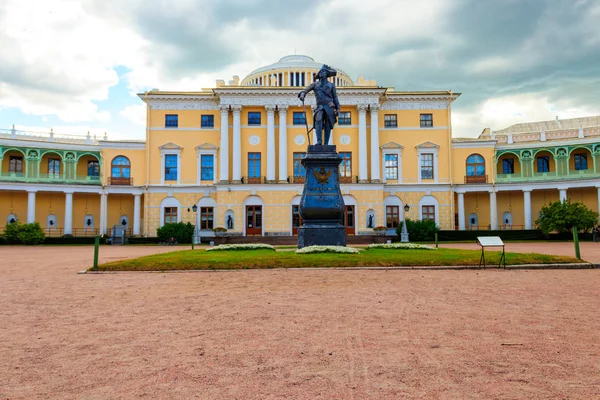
[292, 334]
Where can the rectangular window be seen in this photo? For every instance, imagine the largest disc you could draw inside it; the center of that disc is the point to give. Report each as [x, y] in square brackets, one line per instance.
[206, 218]
[207, 167]
[390, 120]
[207, 121]
[16, 164]
[93, 168]
[508, 166]
[345, 118]
[391, 166]
[428, 213]
[299, 118]
[170, 215]
[171, 121]
[392, 217]
[171, 167]
[580, 162]
[346, 167]
[427, 166]
[426, 120]
[53, 167]
[254, 118]
[543, 163]
[299, 170]
[254, 165]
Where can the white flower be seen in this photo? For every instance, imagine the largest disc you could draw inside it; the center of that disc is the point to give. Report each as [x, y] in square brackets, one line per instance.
[253, 246]
[327, 249]
[401, 246]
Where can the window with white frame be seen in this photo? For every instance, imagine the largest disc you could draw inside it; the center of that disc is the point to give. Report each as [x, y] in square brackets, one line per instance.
[391, 166]
[171, 163]
[427, 166]
[428, 161]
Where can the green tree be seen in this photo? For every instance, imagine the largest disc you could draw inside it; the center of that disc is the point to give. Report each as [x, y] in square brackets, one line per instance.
[419, 230]
[180, 231]
[562, 216]
[31, 234]
[11, 232]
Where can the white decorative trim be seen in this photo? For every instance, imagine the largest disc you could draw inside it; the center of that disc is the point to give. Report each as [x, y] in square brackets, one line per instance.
[428, 148]
[474, 144]
[414, 128]
[345, 139]
[429, 200]
[414, 105]
[205, 149]
[199, 104]
[299, 140]
[254, 140]
[169, 202]
[170, 146]
[164, 150]
[391, 148]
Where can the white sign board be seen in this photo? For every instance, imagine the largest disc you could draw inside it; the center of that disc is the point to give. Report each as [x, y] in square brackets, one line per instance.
[490, 241]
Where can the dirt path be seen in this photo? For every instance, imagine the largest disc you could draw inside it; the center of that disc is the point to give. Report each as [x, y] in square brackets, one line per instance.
[292, 334]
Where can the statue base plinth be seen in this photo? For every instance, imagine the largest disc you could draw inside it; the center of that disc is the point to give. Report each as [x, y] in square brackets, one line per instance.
[322, 204]
[332, 234]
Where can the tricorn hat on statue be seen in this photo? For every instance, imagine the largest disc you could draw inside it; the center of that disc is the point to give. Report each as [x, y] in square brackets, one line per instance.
[330, 71]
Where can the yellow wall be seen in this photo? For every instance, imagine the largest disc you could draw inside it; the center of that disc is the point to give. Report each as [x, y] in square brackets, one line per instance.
[13, 202]
[137, 158]
[6, 160]
[459, 158]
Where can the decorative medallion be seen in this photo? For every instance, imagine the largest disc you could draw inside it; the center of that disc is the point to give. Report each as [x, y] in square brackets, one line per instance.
[299, 140]
[254, 140]
[322, 175]
[345, 139]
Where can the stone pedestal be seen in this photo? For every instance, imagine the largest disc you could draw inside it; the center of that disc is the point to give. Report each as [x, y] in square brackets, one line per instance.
[322, 204]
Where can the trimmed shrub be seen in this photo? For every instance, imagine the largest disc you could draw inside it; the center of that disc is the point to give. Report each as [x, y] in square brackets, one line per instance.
[11, 233]
[419, 230]
[31, 234]
[24, 233]
[181, 231]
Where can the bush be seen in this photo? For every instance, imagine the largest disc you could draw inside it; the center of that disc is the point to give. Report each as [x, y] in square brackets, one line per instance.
[181, 231]
[561, 216]
[420, 230]
[24, 233]
[11, 233]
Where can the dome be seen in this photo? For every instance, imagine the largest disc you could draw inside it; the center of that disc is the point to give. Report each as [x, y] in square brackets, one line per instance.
[292, 70]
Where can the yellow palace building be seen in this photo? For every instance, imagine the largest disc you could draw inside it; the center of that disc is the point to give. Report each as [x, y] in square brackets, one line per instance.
[235, 152]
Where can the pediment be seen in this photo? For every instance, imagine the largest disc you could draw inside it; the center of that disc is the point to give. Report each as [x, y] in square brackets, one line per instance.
[427, 145]
[170, 146]
[392, 145]
[206, 146]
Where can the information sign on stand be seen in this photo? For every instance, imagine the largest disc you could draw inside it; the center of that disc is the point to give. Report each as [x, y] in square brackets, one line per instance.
[491, 241]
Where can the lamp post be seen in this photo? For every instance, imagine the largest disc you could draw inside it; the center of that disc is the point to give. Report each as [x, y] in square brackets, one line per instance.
[404, 233]
[195, 210]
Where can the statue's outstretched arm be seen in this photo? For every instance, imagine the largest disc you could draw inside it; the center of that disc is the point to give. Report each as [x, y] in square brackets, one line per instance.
[307, 89]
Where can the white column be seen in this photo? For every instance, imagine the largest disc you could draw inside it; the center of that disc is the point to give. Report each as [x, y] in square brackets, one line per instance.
[375, 158]
[136, 213]
[493, 212]
[562, 194]
[283, 174]
[461, 211]
[68, 213]
[237, 144]
[362, 143]
[31, 206]
[103, 213]
[224, 150]
[270, 143]
[527, 208]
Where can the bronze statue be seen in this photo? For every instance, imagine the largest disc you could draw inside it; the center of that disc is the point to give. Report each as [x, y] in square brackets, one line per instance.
[328, 106]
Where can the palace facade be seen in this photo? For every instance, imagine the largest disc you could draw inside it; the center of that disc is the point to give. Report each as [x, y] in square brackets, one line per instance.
[235, 150]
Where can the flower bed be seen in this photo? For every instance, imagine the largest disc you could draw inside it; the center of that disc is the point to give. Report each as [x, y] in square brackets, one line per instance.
[233, 247]
[327, 249]
[401, 246]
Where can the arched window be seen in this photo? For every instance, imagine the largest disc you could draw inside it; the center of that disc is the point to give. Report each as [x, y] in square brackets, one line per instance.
[475, 169]
[120, 171]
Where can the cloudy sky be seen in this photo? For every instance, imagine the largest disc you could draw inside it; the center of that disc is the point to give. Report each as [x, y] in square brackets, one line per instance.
[76, 65]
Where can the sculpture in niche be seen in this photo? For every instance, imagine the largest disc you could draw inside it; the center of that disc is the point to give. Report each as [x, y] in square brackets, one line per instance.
[229, 222]
[370, 224]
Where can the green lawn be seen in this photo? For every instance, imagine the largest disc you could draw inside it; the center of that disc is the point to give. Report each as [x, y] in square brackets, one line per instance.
[251, 259]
